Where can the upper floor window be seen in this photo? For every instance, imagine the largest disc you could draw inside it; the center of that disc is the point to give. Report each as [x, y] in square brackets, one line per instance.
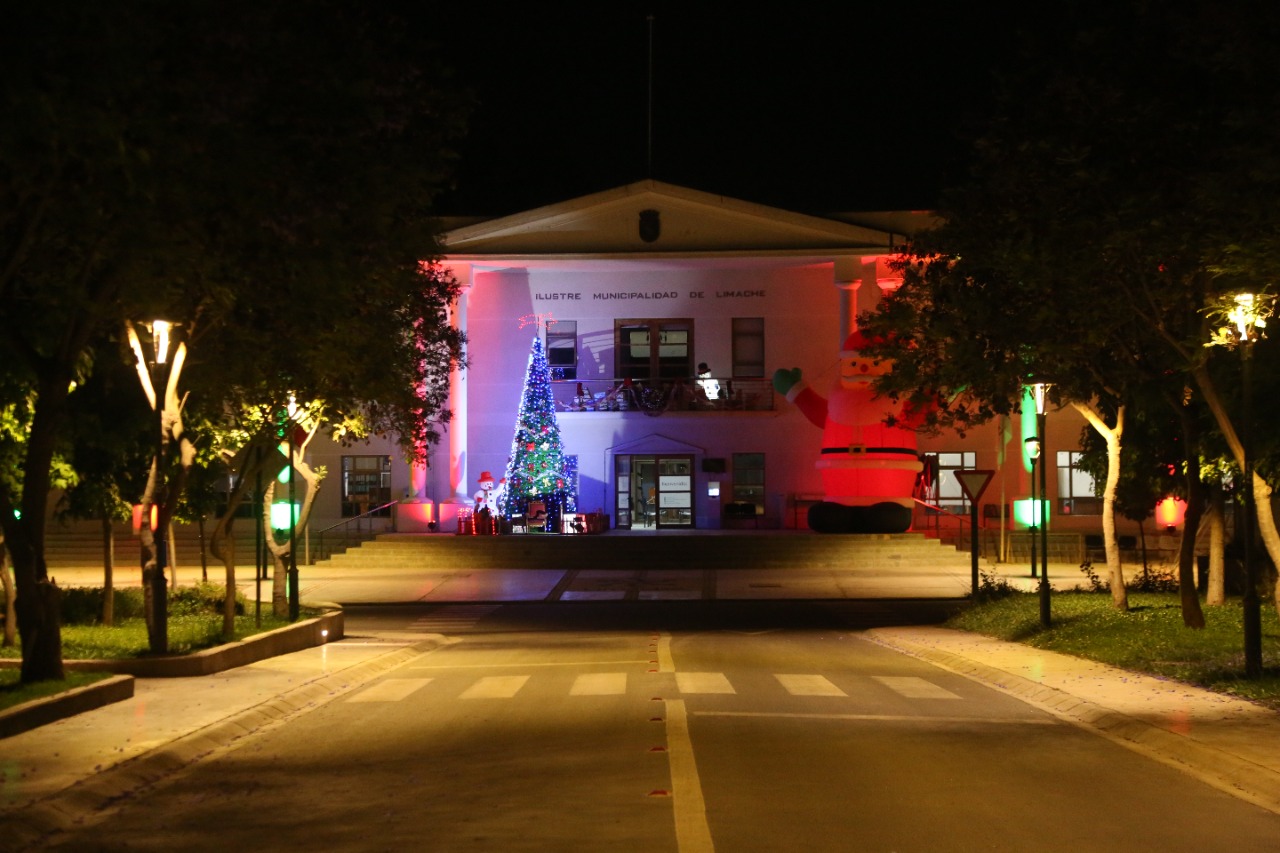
[748, 347]
[653, 349]
[562, 349]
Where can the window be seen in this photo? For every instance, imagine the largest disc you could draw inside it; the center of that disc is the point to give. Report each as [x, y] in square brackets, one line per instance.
[562, 349]
[366, 484]
[748, 347]
[748, 479]
[653, 349]
[945, 487]
[1077, 490]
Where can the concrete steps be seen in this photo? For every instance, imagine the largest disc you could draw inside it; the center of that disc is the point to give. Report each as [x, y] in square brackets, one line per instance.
[630, 551]
[80, 547]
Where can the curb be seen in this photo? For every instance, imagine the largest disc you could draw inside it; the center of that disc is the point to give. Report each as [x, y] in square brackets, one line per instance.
[39, 712]
[1227, 771]
[91, 799]
[292, 638]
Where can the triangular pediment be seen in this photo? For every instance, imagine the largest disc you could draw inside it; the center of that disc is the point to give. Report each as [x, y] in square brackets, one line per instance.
[655, 444]
[650, 217]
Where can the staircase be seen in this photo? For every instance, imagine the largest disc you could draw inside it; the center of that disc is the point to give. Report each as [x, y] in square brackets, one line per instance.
[712, 549]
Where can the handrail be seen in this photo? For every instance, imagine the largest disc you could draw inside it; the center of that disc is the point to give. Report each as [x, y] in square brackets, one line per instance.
[962, 521]
[320, 549]
[365, 514]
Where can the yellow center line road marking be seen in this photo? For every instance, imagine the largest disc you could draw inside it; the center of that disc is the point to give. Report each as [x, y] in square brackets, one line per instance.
[390, 690]
[495, 687]
[703, 682]
[599, 684]
[915, 688]
[693, 835]
[665, 662]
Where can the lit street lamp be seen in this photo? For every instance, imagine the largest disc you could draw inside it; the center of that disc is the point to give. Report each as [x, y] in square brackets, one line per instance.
[1033, 453]
[159, 638]
[1038, 392]
[1038, 524]
[1246, 315]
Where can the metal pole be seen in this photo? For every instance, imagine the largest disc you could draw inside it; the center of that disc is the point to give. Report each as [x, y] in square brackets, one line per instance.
[973, 546]
[293, 538]
[1031, 531]
[257, 545]
[159, 587]
[1043, 509]
[1252, 603]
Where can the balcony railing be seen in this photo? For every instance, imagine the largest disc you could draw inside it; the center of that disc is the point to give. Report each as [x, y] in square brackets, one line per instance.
[652, 397]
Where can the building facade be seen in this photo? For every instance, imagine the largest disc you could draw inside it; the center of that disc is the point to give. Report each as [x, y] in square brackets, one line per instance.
[665, 312]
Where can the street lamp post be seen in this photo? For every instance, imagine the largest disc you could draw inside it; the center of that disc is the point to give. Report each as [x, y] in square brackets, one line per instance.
[1246, 315]
[1042, 508]
[1032, 445]
[159, 639]
[292, 576]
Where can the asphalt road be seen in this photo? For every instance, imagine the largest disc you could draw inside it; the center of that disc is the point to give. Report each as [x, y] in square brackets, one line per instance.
[672, 727]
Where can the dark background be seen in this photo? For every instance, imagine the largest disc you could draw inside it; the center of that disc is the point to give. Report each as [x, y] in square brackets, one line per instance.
[857, 107]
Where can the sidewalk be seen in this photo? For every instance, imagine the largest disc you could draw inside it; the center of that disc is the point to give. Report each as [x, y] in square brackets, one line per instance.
[63, 773]
[1229, 743]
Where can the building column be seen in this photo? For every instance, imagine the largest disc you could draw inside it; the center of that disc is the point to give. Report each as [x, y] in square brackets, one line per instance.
[848, 278]
[458, 478]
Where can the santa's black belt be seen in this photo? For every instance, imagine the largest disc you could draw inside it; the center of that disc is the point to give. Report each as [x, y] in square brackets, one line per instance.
[860, 449]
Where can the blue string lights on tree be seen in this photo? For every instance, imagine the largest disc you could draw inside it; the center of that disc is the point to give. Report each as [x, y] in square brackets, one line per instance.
[536, 470]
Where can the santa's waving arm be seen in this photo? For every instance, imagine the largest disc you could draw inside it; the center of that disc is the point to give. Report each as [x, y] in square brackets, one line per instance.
[789, 384]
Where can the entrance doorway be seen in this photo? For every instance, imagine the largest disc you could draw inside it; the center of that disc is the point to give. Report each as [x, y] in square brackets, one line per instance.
[653, 492]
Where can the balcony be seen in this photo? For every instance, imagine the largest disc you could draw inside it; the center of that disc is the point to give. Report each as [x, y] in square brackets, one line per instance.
[657, 397]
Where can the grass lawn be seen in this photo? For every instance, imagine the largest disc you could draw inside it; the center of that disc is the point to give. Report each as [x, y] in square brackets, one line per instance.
[128, 638]
[12, 693]
[1149, 638]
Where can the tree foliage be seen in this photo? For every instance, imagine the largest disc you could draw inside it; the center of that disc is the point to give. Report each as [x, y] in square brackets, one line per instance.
[261, 172]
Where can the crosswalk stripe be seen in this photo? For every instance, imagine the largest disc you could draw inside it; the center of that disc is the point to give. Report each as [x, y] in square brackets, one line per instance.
[915, 688]
[390, 690]
[809, 685]
[495, 687]
[599, 684]
[703, 682]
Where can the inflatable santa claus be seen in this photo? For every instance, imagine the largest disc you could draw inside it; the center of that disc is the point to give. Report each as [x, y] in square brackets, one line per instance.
[869, 461]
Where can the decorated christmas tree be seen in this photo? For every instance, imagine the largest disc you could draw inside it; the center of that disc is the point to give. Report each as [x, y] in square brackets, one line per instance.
[536, 471]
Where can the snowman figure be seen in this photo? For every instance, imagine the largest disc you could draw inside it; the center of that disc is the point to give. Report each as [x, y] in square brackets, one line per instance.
[869, 460]
[486, 497]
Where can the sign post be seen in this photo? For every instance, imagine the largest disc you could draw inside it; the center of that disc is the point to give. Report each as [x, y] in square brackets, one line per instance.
[974, 483]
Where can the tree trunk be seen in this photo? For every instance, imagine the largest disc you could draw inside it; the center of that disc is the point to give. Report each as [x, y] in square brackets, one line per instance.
[1192, 614]
[1112, 436]
[280, 553]
[35, 596]
[204, 562]
[1216, 593]
[1266, 526]
[10, 615]
[108, 570]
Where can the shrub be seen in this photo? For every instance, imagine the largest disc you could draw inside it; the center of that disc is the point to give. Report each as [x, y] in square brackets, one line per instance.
[83, 605]
[203, 598]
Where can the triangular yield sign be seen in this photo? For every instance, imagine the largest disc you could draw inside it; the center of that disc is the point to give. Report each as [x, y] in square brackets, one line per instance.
[974, 482]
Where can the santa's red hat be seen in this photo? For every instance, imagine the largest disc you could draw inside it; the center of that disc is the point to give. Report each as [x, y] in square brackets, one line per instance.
[854, 344]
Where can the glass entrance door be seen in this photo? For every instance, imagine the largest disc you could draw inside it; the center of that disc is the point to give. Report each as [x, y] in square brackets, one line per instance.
[653, 492]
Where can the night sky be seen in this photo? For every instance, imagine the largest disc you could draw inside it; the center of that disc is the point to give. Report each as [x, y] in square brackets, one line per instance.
[852, 108]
